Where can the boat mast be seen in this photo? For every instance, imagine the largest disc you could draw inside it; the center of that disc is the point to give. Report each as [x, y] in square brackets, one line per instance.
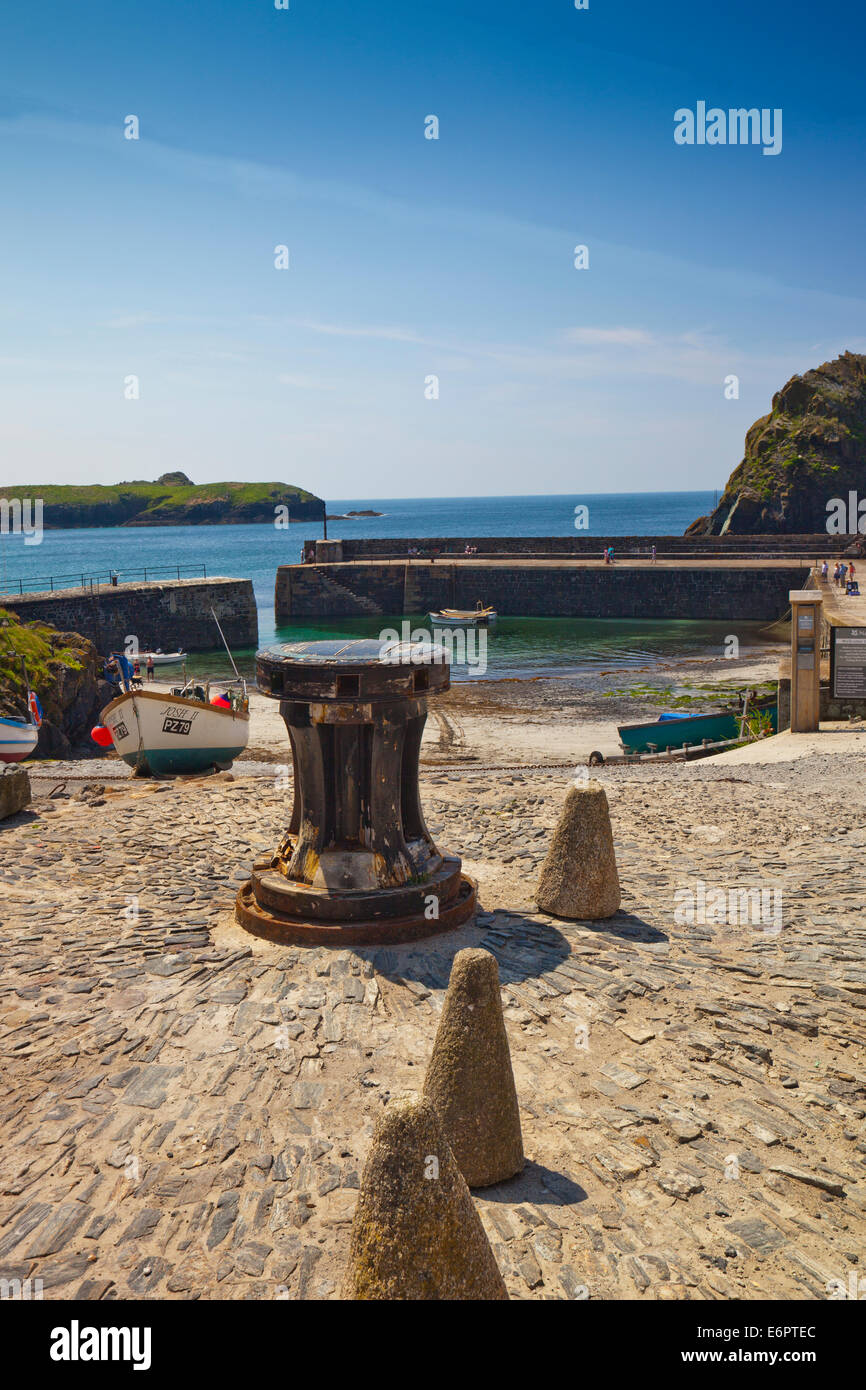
[225, 644]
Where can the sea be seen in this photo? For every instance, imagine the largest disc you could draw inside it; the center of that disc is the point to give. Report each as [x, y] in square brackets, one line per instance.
[516, 647]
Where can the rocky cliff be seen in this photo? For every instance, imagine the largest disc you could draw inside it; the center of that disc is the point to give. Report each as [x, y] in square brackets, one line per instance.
[171, 501]
[809, 450]
[64, 670]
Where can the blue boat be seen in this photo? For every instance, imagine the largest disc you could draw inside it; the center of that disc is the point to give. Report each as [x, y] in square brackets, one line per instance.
[671, 731]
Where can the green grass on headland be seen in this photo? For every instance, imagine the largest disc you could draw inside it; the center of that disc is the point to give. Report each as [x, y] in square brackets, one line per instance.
[169, 503]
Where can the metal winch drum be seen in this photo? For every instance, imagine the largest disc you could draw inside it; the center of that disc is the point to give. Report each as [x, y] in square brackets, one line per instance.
[357, 864]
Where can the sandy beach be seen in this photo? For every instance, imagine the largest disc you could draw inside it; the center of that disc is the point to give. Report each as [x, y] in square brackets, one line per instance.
[536, 720]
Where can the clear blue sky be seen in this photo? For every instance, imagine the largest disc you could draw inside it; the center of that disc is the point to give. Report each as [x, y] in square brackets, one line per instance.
[412, 257]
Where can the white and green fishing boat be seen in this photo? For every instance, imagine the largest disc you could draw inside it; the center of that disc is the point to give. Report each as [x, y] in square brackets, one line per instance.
[183, 731]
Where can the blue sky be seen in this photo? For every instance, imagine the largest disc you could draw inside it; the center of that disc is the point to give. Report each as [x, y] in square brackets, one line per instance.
[412, 257]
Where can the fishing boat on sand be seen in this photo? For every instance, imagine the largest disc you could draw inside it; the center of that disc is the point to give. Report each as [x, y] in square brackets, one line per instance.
[187, 730]
[464, 617]
[673, 730]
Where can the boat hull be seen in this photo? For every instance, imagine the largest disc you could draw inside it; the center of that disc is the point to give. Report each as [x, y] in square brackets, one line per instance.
[462, 620]
[676, 733]
[170, 734]
[17, 740]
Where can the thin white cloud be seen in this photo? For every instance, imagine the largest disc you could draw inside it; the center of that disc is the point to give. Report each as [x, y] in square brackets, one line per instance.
[389, 334]
[140, 320]
[250, 178]
[301, 381]
[620, 337]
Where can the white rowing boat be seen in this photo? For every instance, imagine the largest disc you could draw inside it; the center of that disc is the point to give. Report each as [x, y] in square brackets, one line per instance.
[463, 617]
[158, 658]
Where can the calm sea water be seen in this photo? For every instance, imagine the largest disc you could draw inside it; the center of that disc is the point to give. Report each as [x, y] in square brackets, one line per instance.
[517, 646]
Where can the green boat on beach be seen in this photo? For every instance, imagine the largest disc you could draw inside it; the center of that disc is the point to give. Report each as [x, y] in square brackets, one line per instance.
[672, 731]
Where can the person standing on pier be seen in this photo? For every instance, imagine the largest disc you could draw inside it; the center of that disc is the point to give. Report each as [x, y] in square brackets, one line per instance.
[653, 556]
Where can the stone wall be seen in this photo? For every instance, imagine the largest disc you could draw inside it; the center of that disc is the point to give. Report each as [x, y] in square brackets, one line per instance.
[829, 708]
[172, 615]
[750, 595]
[816, 546]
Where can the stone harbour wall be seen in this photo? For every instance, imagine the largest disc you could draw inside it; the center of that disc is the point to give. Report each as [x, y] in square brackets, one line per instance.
[171, 615]
[582, 543]
[705, 594]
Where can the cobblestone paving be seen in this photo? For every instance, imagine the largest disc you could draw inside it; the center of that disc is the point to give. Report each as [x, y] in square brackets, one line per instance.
[187, 1109]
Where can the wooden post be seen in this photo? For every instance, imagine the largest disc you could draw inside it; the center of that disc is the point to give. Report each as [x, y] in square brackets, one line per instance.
[805, 659]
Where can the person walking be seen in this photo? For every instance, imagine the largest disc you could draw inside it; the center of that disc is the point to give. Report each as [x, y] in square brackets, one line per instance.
[825, 570]
[150, 666]
[653, 556]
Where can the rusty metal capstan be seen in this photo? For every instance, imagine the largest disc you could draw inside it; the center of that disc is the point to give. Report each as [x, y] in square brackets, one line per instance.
[357, 864]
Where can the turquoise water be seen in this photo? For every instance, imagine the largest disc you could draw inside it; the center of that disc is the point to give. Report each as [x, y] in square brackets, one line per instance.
[559, 646]
[516, 646]
[520, 647]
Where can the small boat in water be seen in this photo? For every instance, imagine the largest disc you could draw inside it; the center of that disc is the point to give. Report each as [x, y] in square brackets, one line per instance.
[158, 658]
[464, 617]
[673, 730]
[184, 731]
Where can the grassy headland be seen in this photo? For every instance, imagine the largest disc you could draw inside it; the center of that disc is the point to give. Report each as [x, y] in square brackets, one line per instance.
[171, 501]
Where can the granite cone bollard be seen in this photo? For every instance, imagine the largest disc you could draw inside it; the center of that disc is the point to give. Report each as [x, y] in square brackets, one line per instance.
[469, 1079]
[416, 1234]
[14, 791]
[578, 878]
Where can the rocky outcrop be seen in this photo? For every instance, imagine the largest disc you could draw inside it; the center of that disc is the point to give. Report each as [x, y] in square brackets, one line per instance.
[809, 450]
[65, 671]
